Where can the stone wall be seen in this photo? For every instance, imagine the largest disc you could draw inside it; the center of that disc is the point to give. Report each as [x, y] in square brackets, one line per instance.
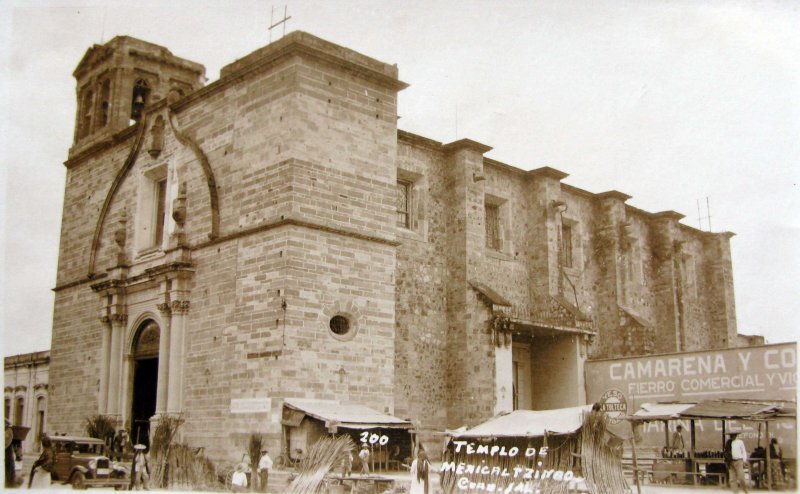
[288, 166]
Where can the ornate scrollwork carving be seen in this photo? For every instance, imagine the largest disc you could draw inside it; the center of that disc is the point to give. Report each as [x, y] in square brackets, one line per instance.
[119, 318]
[164, 309]
[501, 328]
[105, 319]
[180, 306]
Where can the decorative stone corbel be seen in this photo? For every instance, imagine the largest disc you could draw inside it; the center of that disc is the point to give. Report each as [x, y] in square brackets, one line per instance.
[156, 137]
[179, 215]
[121, 236]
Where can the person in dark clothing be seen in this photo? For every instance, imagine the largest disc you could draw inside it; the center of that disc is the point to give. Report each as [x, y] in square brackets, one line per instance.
[40, 471]
[776, 465]
[118, 445]
[9, 455]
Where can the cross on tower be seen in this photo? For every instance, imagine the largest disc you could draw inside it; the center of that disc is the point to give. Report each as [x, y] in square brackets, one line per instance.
[276, 24]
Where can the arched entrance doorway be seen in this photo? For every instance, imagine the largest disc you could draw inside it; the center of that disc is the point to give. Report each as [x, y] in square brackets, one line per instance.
[145, 380]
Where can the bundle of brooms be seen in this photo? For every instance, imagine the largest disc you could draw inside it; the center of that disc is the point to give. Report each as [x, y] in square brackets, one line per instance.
[324, 456]
[177, 466]
[601, 464]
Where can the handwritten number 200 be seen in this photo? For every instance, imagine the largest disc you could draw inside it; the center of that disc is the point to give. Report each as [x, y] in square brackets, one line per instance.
[373, 438]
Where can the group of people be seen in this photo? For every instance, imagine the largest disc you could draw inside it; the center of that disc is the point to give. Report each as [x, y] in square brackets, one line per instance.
[736, 457]
[239, 477]
[41, 470]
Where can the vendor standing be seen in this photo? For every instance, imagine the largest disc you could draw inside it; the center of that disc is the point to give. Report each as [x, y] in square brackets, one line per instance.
[738, 457]
[264, 464]
[678, 443]
[776, 465]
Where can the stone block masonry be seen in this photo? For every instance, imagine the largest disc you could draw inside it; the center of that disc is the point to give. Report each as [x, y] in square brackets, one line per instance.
[285, 240]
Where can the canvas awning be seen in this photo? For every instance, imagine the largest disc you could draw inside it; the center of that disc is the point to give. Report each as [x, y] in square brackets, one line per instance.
[660, 411]
[530, 423]
[729, 410]
[712, 409]
[335, 414]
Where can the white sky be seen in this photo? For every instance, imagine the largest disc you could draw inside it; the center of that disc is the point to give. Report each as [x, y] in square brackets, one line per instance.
[667, 101]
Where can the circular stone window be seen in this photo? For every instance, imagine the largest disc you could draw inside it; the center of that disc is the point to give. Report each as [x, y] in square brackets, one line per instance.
[340, 325]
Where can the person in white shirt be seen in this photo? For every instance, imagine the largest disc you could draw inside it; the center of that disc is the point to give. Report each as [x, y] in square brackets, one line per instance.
[264, 464]
[239, 479]
[420, 474]
[364, 456]
[738, 459]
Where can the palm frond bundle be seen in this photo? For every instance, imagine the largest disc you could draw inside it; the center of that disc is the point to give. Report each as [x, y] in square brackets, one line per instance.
[100, 427]
[325, 455]
[254, 447]
[176, 465]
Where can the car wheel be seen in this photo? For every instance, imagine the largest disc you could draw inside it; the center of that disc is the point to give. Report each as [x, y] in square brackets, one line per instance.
[78, 481]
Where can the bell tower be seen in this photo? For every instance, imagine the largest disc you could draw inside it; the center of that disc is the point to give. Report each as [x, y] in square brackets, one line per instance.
[117, 81]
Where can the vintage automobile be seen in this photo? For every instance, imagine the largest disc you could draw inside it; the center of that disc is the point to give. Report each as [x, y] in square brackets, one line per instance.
[82, 462]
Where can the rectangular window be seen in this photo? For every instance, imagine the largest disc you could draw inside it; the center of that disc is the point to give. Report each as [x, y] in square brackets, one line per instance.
[160, 211]
[18, 411]
[566, 245]
[493, 226]
[403, 204]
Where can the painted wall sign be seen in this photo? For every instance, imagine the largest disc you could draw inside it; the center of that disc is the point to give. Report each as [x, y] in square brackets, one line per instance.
[767, 372]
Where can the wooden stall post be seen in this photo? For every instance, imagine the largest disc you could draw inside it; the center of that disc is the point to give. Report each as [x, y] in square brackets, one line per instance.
[635, 461]
[692, 445]
[769, 457]
[666, 434]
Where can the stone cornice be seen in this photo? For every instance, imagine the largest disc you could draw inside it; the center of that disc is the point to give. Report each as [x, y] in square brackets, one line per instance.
[503, 166]
[82, 281]
[308, 44]
[82, 153]
[134, 47]
[667, 215]
[301, 223]
[466, 144]
[304, 44]
[613, 194]
[171, 61]
[548, 172]
[418, 140]
[109, 284]
[147, 275]
[26, 359]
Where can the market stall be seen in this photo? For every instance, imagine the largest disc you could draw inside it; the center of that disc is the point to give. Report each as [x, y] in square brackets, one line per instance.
[388, 438]
[687, 464]
[548, 451]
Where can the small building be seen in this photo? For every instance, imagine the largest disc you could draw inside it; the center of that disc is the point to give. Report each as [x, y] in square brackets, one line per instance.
[26, 379]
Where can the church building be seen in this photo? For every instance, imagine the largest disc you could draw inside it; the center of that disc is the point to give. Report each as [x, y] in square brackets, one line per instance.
[230, 250]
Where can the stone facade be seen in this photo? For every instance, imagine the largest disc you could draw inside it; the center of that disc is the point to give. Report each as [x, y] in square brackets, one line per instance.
[273, 235]
[26, 383]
